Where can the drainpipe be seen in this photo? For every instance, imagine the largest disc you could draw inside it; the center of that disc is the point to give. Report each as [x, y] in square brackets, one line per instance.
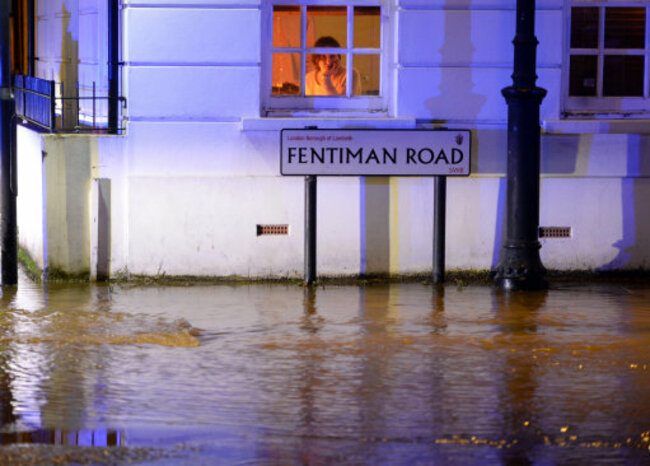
[8, 231]
[113, 64]
[31, 39]
[521, 267]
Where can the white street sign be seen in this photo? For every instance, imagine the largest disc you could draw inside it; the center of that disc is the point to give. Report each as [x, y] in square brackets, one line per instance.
[360, 152]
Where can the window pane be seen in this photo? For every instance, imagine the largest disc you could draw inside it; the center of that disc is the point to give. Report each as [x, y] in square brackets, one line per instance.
[326, 75]
[367, 69]
[625, 28]
[367, 27]
[286, 26]
[583, 73]
[327, 21]
[623, 75]
[286, 74]
[584, 28]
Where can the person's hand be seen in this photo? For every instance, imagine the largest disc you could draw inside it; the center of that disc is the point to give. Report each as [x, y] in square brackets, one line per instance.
[327, 78]
[330, 76]
[336, 69]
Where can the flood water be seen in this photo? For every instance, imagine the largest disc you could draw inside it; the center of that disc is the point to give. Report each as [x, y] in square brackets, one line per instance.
[277, 374]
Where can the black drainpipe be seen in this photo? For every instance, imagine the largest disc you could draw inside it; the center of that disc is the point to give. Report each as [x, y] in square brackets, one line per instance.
[113, 64]
[31, 39]
[8, 188]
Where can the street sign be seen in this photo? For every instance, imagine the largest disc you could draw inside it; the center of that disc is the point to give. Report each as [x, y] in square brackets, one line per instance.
[360, 152]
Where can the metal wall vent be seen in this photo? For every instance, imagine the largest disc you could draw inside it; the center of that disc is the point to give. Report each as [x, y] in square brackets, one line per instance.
[555, 232]
[272, 230]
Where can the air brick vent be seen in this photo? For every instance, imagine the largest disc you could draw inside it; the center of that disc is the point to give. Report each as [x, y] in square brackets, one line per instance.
[263, 230]
[555, 232]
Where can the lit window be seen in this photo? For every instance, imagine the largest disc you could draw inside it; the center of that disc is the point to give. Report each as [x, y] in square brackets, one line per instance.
[325, 57]
[608, 58]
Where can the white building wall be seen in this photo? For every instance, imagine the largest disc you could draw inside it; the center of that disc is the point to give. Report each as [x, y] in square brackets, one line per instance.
[198, 168]
[30, 202]
[598, 185]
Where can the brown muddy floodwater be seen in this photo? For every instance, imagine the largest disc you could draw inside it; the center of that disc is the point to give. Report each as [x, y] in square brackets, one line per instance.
[276, 374]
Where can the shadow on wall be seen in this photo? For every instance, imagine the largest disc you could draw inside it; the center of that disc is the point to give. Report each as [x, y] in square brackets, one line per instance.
[77, 236]
[583, 156]
[634, 246]
[560, 155]
[455, 89]
[69, 71]
[456, 84]
[375, 224]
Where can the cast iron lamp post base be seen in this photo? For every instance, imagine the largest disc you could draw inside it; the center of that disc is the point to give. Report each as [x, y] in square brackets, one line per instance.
[520, 267]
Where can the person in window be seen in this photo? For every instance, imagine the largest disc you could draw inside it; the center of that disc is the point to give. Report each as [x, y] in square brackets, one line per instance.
[328, 77]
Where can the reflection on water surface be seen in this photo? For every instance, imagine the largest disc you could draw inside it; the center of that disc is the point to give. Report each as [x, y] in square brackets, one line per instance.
[277, 374]
[85, 438]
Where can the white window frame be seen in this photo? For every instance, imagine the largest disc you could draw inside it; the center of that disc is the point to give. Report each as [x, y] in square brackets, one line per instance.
[598, 105]
[301, 106]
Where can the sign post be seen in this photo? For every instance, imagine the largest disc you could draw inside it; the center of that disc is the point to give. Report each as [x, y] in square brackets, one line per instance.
[439, 224]
[310, 229]
[357, 152]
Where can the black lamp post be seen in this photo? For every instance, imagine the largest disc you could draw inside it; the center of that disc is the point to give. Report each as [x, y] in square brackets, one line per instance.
[520, 267]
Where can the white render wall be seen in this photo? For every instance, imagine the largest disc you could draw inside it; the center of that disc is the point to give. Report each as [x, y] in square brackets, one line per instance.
[198, 168]
[30, 213]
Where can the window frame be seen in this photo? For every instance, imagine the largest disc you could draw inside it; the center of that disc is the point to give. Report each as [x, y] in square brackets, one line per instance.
[599, 105]
[300, 106]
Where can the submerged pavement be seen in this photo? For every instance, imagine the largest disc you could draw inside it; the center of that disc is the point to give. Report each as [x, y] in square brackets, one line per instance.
[386, 373]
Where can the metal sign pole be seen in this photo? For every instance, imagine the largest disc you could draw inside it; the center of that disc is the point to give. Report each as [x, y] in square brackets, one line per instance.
[310, 229]
[439, 222]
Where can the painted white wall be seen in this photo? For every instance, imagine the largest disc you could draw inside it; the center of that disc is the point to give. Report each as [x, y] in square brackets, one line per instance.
[199, 167]
[53, 204]
[67, 170]
[30, 202]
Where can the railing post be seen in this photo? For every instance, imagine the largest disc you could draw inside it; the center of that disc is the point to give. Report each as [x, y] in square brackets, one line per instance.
[52, 93]
[23, 95]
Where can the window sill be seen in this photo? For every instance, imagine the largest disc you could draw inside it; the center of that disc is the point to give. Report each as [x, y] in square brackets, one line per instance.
[327, 122]
[597, 126]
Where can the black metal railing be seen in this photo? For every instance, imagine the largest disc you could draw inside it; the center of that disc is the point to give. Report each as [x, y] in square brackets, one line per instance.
[34, 99]
[39, 104]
